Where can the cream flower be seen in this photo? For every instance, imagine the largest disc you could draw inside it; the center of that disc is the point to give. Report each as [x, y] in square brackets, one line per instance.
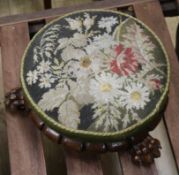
[107, 23]
[104, 41]
[105, 88]
[88, 22]
[75, 24]
[46, 80]
[44, 66]
[86, 65]
[32, 77]
[135, 96]
[79, 40]
[70, 52]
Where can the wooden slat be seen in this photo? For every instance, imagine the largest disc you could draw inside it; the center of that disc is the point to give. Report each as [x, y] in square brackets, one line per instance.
[4, 8]
[166, 163]
[156, 21]
[47, 20]
[4, 156]
[83, 163]
[54, 157]
[64, 3]
[110, 164]
[22, 7]
[25, 147]
[129, 168]
[59, 11]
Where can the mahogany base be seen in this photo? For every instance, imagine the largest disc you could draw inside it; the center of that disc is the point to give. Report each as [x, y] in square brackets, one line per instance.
[145, 151]
[142, 147]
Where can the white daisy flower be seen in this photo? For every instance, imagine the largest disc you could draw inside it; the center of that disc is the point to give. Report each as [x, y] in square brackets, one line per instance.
[75, 24]
[135, 96]
[107, 23]
[69, 114]
[46, 80]
[105, 88]
[32, 77]
[86, 65]
[88, 22]
[44, 66]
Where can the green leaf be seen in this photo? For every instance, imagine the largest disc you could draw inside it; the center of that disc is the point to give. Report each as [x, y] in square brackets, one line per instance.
[121, 29]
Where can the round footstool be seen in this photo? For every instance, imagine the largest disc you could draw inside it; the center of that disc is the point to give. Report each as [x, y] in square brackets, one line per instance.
[98, 80]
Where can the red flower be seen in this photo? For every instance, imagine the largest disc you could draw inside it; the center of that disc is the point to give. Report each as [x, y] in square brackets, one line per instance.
[155, 83]
[125, 63]
[118, 49]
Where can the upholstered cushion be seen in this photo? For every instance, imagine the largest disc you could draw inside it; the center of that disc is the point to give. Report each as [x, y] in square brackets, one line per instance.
[96, 74]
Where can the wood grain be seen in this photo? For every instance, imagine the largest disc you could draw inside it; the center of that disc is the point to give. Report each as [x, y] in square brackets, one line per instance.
[110, 164]
[64, 3]
[156, 22]
[129, 168]
[47, 20]
[4, 154]
[21, 6]
[83, 163]
[54, 157]
[25, 147]
[166, 163]
[60, 11]
[4, 8]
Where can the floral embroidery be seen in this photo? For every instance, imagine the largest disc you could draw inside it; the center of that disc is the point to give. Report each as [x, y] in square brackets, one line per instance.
[104, 88]
[69, 116]
[107, 65]
[135, 96]
[107, 23]
[75, 24]
[88, 21]
[32, 77]
[124, 62]
[46, 80]
[43, 66]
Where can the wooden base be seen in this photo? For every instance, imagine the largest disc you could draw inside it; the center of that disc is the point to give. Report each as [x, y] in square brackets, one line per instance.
[142, 147]
[145, 151]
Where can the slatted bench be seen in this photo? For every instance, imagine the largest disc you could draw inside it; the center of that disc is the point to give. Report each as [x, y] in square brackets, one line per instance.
[29, 150]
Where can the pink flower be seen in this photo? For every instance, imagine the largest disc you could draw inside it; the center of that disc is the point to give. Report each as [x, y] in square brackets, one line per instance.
[155, 84]
[125, 62]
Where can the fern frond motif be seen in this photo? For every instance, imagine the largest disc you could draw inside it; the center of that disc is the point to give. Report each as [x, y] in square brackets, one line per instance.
[106, 116]
[139, 42]
[49, 40]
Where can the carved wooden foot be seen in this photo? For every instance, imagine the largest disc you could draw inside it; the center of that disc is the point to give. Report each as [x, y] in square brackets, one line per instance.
[145, 151]
[14, 101]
